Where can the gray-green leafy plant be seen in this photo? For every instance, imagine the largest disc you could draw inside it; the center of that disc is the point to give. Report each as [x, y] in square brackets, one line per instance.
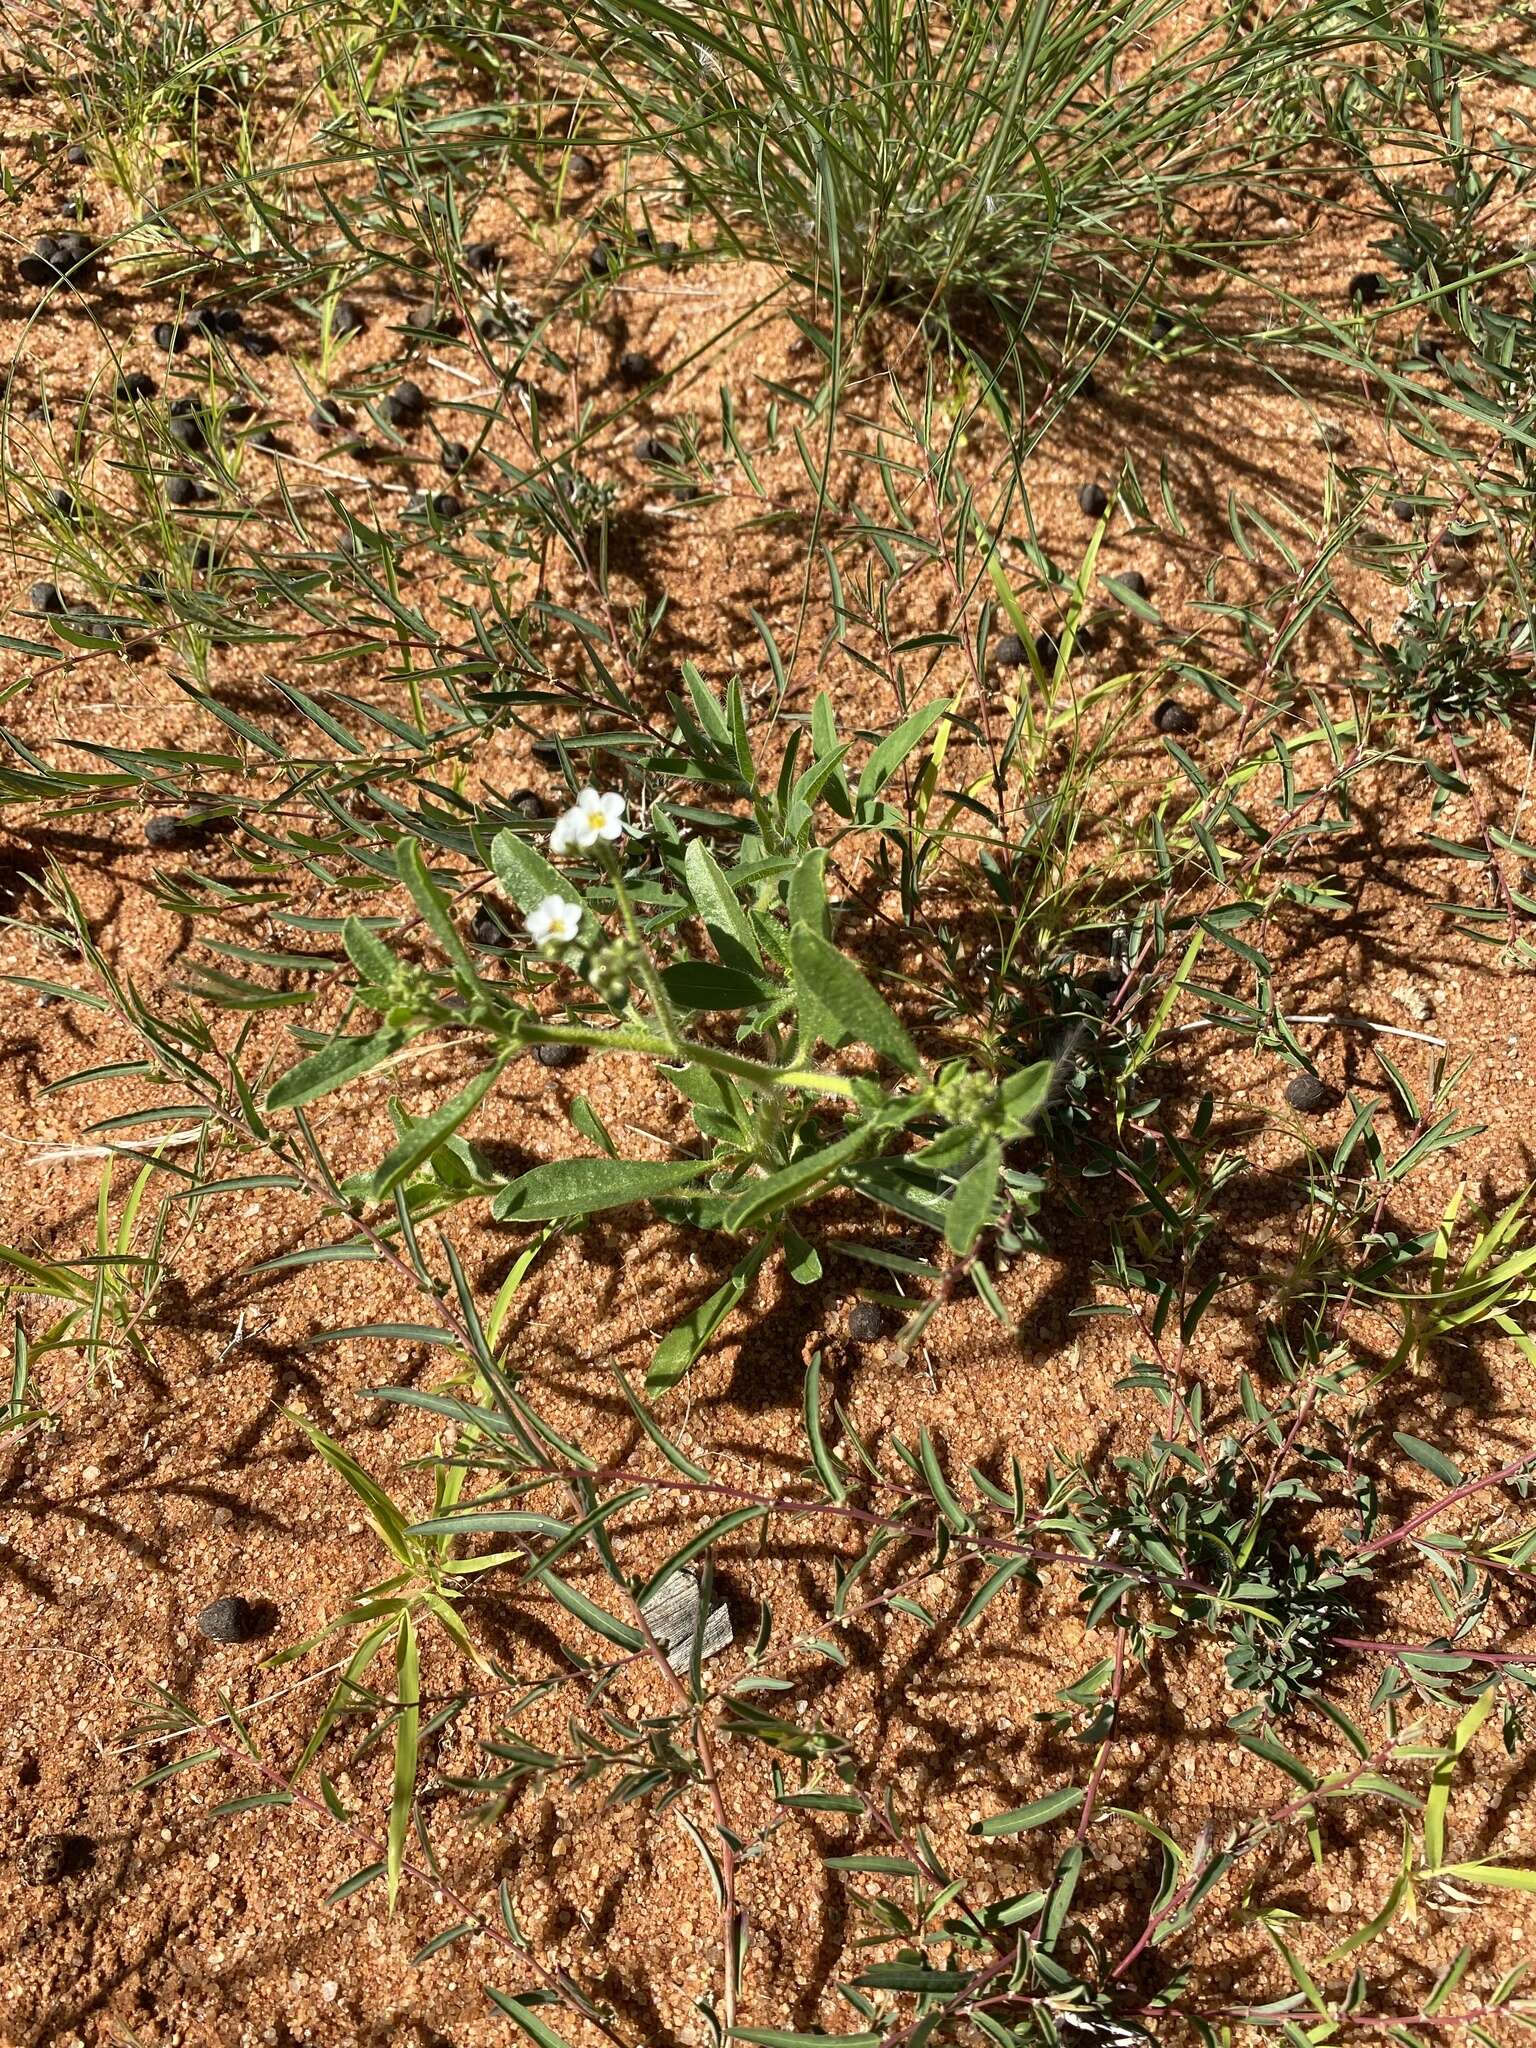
[659, 943]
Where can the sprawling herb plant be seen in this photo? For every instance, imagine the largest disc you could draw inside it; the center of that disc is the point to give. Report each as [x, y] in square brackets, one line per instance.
[775, 1130]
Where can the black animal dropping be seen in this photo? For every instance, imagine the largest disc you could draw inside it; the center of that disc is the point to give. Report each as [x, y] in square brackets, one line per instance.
[557, 1055]
[327, 416]
[1008, 652]
[231, 1619]
[346, 318]
[453, 457]
[57, 256]
[1404, 511]
[601, 260]
[169, 828]
[1133, 581]
[138, 384]
[64, 504]
[224, 321]
[481, 255]
[1308, 1094]
[182, 491]
[1366, 287]
[866, 1322]
[167, 335]
[405, 405]
[528, 804]
[1093, 499]
[1171, 717]
[75, 253]
[635, 367]
[46, 597]
[431, 324]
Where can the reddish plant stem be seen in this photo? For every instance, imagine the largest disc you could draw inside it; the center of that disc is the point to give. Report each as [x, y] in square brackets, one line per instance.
[1246, 1841]
[1365, 2022]
[1400, 1650]
[1415, 1522]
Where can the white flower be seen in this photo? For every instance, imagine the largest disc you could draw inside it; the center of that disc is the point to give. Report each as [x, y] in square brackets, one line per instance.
[590, 818]
[554, 917]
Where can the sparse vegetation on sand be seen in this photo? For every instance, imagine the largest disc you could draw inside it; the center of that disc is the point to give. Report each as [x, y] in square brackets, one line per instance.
[768, 898]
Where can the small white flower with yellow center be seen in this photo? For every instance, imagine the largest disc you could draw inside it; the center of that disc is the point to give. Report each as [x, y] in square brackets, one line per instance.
[590, 818]
[554, 920]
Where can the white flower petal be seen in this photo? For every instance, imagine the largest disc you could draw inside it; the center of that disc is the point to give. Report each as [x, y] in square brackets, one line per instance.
[592, 817]
[553, 917]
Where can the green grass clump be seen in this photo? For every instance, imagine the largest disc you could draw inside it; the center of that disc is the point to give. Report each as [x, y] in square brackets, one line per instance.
[1029, 152]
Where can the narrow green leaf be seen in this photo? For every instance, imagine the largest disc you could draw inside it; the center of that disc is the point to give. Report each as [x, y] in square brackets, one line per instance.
[526, 2018]
[1426, 1455]
[677, 1351]
[433, 906]
[720, 913]
[808, 892]
[971, 1205]
[1440, 1781]
[596, 1618]
[840, 1006]
[658, 1436]
[423, 1139]
[828, 1470]
[354, 1883]
[706, 985]
[933, 1471]
[779, 1190]
[1503, 1877]
[1037, 1814]
[343, 1060]
[895, 747]
[581, 1187]
[990, 1587]
[408, 1697]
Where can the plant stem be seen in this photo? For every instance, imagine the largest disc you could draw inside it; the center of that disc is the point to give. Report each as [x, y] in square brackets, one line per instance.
[630, 1038]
